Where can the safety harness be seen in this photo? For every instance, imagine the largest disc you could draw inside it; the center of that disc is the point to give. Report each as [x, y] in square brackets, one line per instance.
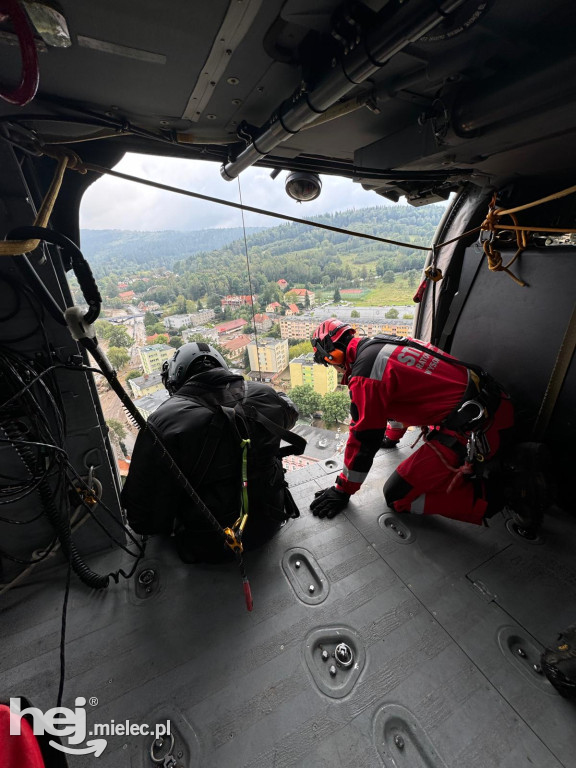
[479, 402]
[234, 417]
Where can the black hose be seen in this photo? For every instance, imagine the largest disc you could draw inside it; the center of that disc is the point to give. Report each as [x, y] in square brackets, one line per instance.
[81, 267]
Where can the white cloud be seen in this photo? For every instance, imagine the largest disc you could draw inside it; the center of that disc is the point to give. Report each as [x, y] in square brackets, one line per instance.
[118, 204]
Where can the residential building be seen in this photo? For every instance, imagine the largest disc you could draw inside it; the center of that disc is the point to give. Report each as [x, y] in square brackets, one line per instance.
[153, 355]
[283, 284]
[269, 355]
[175, 322]
[145, 385]
[322, 378]
[292, 310]
[236, 301]
[299, 296]
[262, 323]
[291, 463]
[237, 346]
[202, 316]
[230, 327]
[149, 306]
[210, 334]
[370, 322]
[126, 295]
[297, 327]
[148, 404]
[273, 307]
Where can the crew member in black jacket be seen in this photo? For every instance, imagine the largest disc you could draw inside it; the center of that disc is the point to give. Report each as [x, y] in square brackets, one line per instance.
[202, 424]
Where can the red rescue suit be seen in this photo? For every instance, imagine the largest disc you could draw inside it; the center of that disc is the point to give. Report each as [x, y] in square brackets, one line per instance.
[405, 384]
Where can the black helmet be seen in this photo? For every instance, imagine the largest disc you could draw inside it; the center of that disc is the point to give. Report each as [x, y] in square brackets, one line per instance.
[189, 360]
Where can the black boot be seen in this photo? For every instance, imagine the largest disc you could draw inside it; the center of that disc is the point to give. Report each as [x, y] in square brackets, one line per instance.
[528, 487]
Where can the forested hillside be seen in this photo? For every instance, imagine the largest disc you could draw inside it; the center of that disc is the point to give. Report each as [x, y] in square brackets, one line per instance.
[124, 252]
[305, 256]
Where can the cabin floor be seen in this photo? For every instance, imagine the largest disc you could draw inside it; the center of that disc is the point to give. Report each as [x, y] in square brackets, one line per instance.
[446, 622]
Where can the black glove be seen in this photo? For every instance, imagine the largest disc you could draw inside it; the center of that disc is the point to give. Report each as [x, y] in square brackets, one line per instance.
[329, 502]
[389, 443]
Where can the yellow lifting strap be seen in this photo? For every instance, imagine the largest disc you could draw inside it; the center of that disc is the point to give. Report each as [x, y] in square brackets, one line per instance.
[20, 247]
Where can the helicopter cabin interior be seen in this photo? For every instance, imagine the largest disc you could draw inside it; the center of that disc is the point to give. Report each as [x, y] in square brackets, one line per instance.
[443, 623]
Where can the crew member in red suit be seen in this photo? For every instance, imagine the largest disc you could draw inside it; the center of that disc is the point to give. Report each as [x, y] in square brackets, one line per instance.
[395, 383]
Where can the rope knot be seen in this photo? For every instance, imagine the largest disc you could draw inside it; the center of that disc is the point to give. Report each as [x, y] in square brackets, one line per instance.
[73, 161]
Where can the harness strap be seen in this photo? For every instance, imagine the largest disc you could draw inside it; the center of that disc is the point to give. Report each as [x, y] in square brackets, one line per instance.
[482, 389]
[296, 443]
[449, 441]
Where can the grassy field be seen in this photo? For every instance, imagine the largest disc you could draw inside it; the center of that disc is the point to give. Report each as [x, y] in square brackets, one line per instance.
[378, 295]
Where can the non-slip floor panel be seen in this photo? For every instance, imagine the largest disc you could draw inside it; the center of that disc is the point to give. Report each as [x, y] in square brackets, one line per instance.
[438, 616]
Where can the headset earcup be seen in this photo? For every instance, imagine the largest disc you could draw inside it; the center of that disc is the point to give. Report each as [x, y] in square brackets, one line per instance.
[336, 357]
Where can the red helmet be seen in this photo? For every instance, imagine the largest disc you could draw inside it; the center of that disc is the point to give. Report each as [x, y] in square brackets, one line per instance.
[324, 341]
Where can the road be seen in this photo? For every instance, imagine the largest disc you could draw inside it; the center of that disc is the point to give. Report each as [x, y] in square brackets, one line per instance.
[111, 405]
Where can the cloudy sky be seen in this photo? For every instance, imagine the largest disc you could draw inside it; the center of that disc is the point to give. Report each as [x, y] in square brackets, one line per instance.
[117, 204]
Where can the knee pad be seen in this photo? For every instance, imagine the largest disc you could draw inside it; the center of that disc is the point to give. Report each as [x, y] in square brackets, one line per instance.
[395, 488]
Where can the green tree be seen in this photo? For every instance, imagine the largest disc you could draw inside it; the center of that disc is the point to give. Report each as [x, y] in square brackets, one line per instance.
[117, 427]
[103, 328]
[337, 297]
[306, 399]
[200, 305]
[150, 319]
[134, 375]
[392, 314]
[301, 348]
[118, 357]
[162, 338]
[176, 342]
[156, 328]
[180, 307]
[119, 337]
[335, 407]
[274, 332]
[354, 313]
[388, 276]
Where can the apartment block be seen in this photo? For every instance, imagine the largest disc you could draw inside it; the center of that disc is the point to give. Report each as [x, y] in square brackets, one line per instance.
[297, 327]
[146, 385]
[303, 370]
[153, 355]
[270, 355]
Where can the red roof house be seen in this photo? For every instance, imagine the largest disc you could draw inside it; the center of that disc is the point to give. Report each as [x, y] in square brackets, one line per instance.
[231, 325]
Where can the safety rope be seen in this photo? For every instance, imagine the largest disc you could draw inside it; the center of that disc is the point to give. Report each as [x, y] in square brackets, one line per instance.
[491, 224]
[68, 159]
[85, 167]
[20, 247]
[249, 279]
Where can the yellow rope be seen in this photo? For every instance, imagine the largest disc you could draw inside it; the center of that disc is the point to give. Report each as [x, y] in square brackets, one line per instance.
[555, 196]
[20, 247]
[491, 224]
